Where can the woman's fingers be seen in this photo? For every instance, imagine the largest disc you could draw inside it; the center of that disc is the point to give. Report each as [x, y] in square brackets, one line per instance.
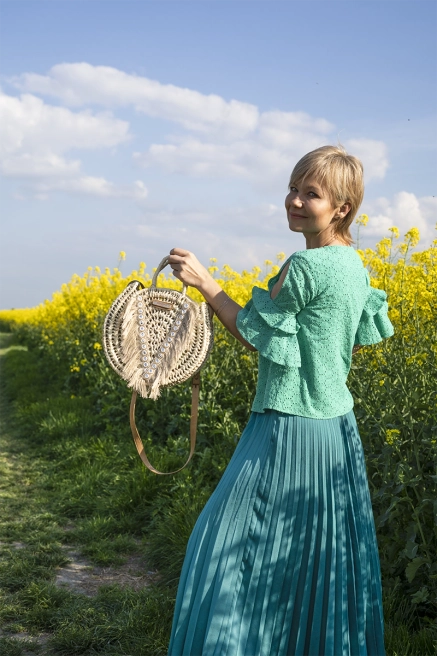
[186, 267]
[177, 256]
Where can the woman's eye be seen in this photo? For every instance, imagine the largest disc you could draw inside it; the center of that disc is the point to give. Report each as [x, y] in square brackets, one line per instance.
[312, 194]
[292, 189]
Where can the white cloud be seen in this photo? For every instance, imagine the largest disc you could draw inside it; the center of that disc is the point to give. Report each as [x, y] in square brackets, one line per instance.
[373, 154]
[252, 159]
[261, 231]
[30, 125]
[223, 139]
[35, 136]
[27, 165]
[232, 138]
[258, 232]
[405, 211]
[83, 84]
[284, 130]
[93, 186]
[241, 159]
[265, 157]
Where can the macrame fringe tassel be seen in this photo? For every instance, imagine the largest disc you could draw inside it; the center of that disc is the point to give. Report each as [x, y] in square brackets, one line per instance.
[131, 355]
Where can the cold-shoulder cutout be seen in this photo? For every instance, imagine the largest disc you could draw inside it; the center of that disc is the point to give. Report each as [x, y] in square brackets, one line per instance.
[305, 334]
[281, 274]
[270, 325]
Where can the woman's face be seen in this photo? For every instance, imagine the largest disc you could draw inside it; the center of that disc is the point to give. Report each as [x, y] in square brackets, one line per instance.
[309, 208]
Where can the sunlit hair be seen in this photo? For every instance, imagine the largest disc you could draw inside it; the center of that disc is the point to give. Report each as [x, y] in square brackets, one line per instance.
[340, 175]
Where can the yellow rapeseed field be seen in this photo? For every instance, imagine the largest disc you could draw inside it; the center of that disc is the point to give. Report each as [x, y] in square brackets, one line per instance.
[74, 314]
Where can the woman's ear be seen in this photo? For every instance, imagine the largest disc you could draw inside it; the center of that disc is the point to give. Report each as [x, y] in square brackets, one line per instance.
[343, 210]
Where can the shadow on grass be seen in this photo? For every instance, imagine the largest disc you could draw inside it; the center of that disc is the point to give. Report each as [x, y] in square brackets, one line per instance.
[65, 482]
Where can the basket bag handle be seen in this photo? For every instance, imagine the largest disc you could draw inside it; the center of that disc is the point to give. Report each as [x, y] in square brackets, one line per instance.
[195, 383]
[195, 388]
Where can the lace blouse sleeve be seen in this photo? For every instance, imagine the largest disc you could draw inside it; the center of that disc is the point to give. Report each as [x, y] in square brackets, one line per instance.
[374, 325]
[271, 325]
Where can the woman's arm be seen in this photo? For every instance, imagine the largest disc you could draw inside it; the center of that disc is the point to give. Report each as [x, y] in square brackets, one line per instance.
[187, 268]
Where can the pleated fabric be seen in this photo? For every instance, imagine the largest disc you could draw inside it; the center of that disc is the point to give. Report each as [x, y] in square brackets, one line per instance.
[283, 559]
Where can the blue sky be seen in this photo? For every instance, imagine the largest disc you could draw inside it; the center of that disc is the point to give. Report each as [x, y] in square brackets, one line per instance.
[139, 126]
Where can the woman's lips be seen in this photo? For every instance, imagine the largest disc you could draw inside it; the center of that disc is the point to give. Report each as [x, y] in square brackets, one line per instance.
[297, 216]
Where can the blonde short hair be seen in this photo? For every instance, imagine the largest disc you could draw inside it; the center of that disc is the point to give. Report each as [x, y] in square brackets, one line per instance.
[341, 175]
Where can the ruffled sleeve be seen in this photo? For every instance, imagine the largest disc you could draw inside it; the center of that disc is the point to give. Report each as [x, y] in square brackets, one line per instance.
[374, 323]
[271, 326]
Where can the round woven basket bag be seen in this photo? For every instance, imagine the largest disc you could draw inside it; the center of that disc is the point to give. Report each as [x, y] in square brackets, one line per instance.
[155, 338]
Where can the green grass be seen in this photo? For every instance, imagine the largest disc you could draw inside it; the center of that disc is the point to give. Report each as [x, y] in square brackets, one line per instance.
[19, 647]
[63, 484]
[69, 475]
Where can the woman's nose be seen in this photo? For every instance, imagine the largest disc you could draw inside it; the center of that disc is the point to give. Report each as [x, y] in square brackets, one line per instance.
[293, 200]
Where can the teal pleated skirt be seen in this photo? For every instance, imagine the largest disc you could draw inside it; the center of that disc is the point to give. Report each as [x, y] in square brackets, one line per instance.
[283, 559]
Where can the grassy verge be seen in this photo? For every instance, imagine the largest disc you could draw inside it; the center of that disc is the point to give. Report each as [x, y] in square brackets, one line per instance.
[63, 485]
[72, 481]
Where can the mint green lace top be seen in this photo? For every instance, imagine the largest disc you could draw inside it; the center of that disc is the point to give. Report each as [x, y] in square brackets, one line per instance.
[305, 335]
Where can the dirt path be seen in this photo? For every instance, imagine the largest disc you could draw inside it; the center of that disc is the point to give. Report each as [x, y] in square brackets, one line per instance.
[22, 501]
[11, 475]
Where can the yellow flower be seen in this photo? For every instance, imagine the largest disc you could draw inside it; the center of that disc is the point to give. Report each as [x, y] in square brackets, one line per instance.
[391, 435]
[383, 248]
[122, 256]
[413, 236]
[362, 219]
[280, 256]
[70, 320]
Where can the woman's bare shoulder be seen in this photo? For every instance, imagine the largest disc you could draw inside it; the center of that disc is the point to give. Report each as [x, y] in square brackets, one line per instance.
[278, 284]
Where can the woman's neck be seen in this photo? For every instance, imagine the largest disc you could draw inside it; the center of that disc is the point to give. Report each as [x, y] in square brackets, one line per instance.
[320, 243]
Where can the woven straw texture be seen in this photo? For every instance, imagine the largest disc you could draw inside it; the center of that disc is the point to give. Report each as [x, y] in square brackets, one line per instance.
[156, 338]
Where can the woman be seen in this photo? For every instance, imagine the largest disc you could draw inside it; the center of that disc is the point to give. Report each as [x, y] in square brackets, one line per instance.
[283, 559]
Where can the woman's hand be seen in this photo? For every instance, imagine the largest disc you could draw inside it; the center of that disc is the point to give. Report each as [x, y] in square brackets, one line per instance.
[187, 268]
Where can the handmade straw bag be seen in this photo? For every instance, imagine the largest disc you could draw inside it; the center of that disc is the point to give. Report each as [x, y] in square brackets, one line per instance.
[155, 338]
